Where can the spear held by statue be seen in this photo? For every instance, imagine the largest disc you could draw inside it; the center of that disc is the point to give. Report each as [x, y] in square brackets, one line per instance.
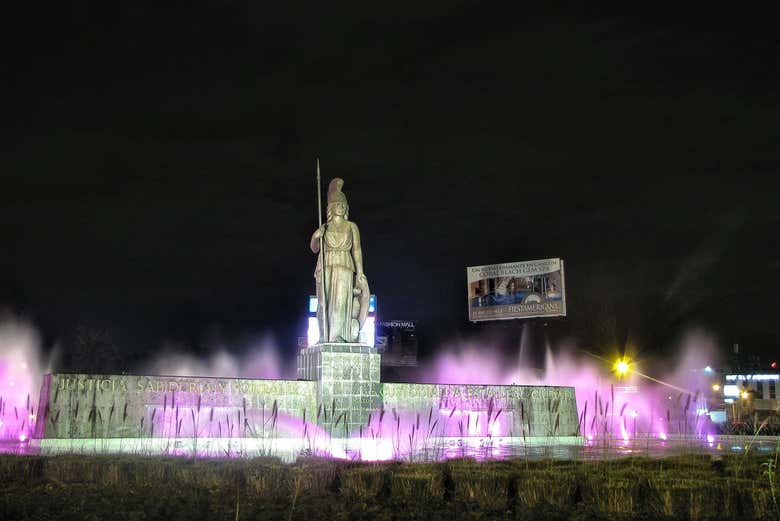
[322, 304]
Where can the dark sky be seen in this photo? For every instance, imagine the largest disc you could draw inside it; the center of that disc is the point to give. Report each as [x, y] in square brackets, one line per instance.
[158, 179]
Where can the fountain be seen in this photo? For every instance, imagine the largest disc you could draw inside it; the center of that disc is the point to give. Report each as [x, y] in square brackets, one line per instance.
[337, 404]
[636, 415]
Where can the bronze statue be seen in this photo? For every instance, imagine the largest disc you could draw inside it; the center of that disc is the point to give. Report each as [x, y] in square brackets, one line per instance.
[342, 293]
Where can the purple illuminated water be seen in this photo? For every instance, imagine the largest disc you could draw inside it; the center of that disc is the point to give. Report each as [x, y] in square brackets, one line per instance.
[642, 403]
[646, 404]
[20, 378]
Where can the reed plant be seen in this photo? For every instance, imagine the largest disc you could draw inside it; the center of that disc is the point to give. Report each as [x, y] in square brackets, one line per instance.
[770, 472]
[131, 487]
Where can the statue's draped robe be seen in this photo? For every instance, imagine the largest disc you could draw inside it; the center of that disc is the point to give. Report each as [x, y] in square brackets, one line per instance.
[339, 281]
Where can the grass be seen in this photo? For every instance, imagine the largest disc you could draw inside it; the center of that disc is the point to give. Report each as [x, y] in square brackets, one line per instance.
[133, 487]
[770, 473]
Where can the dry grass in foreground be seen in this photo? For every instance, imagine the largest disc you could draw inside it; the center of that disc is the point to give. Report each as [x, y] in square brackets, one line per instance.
[134, 488]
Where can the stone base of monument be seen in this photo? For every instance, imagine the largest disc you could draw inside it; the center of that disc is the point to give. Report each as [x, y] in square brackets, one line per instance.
[337, 404]
[348, 387]
[75, 406]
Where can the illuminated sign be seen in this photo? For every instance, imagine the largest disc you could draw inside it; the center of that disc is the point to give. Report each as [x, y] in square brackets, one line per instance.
[367, 333]
[398, 324]
[718, 416]
[313, 331]
[751, 377]
[731, 390]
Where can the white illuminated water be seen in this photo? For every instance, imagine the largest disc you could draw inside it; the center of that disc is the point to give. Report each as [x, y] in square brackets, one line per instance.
[434, 449]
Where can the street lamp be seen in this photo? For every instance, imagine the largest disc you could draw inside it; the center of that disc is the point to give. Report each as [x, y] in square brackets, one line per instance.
[622, 367]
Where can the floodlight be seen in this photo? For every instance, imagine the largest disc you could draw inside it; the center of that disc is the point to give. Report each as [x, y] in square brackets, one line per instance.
[621, 367]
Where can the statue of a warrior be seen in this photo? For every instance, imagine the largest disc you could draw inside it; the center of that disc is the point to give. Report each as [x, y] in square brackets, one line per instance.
[342, 289]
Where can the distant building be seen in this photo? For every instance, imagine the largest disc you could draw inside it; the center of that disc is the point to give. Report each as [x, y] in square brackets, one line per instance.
[396, 341]
[750, 389]
[752, 394]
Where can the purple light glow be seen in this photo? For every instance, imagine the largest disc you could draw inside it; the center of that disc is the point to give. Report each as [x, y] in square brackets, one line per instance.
[625, 409]
[20, 378]
[630, 407]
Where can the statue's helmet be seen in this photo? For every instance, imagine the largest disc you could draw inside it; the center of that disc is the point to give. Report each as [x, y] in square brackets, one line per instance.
[335, 195]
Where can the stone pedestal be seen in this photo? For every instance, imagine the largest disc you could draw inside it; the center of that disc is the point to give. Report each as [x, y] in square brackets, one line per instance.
[348, 387]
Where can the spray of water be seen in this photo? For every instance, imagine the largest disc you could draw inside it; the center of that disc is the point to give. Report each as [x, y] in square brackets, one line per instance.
[647, 401]
[259, 359]
[21, 366]
[659, 402]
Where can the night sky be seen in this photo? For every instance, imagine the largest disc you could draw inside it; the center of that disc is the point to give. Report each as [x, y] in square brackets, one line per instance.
[159, 182]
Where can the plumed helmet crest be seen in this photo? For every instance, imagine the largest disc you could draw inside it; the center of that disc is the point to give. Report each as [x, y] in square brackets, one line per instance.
[335, 195]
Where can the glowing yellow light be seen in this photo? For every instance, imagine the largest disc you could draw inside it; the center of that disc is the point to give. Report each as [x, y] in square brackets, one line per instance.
[622, 367]
[744, 395]
[716, 387]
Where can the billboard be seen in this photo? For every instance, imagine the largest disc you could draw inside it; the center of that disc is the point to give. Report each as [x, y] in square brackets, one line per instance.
[516, 290]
